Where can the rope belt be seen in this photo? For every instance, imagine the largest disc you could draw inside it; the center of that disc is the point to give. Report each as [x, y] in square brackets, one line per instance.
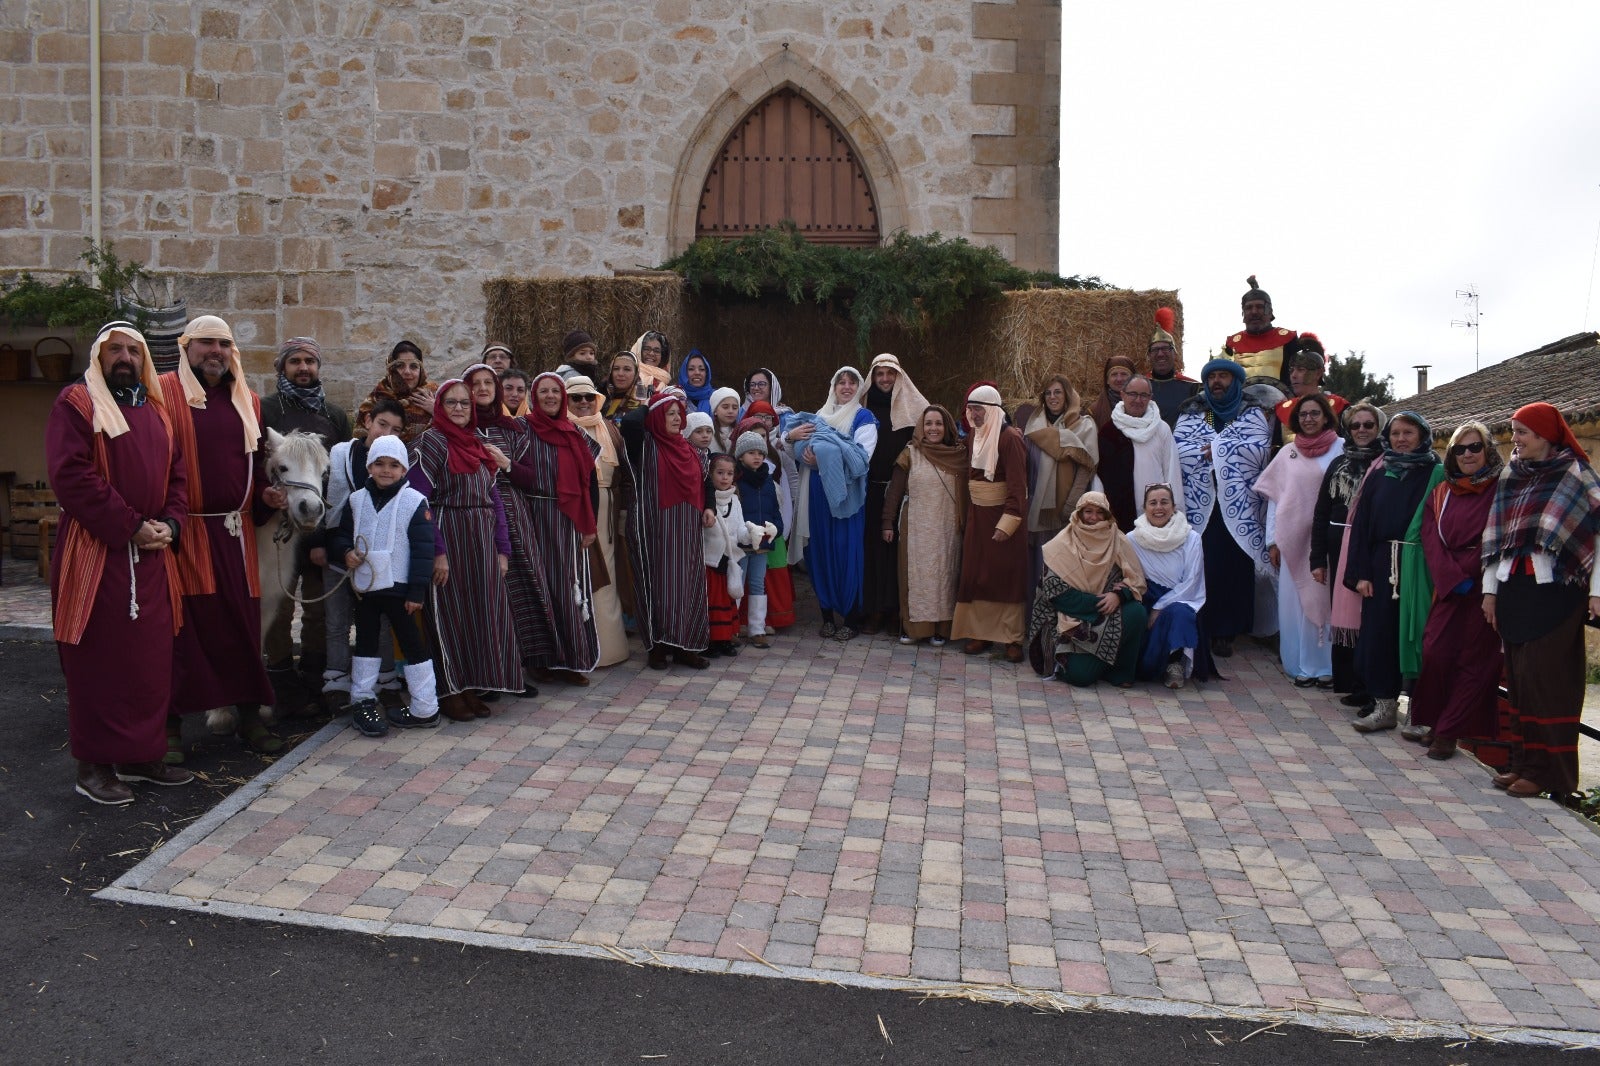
[233, 521]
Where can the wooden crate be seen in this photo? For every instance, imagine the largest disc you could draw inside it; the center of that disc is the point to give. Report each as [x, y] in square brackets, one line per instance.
[29, 505]
[25, 538]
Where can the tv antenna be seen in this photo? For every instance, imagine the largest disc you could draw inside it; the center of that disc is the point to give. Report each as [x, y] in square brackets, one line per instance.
[1469, 296]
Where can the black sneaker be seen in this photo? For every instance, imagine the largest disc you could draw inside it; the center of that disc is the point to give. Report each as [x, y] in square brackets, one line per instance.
[402, 718]
[368, 717]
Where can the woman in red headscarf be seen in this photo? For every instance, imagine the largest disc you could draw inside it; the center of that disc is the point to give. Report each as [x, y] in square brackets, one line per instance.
[561, 499]
[509, 443]
[469, 612]
[1539, 583]
[669, 569]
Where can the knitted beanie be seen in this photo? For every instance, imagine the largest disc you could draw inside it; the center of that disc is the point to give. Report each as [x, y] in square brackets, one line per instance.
[749, 442]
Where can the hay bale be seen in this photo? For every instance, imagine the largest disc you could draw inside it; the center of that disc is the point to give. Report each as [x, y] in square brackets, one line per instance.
[532, 315]
[1049, 331]
[1017, 340]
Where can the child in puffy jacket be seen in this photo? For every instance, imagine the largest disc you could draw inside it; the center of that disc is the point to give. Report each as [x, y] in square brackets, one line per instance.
[758, 496]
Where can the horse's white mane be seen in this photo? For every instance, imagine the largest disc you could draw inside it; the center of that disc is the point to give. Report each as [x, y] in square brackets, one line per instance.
[299, 447]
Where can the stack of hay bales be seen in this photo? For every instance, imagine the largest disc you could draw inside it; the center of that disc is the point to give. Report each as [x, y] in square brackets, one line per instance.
[1017, 341]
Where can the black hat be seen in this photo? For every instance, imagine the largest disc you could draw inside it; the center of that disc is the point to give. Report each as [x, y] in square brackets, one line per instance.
[575, 340]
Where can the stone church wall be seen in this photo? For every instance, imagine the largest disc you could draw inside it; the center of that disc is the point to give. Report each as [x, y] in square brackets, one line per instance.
[356, 169]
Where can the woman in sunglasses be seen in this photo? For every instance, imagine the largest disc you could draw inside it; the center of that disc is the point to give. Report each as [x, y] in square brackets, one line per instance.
[1456, 691]
[1362, 422]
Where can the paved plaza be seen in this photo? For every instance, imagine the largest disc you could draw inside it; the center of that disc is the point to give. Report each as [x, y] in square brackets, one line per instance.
[874, 814]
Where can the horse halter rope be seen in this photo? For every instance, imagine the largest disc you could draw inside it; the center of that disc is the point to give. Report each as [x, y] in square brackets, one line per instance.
[285, 533]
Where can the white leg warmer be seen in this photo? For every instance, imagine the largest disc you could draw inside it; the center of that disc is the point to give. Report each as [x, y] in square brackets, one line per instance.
[424, 698]
[363, 678]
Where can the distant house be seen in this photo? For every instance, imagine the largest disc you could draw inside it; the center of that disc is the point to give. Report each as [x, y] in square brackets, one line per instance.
[1565, 373]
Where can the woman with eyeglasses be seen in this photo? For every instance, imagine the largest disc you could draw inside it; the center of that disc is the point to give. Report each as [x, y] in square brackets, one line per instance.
[406, 381]
[1385, 504]
[469, 610]
[1290, 485]
[615, 481]
[1457, 689]
[1362, 424]
[1539, 582]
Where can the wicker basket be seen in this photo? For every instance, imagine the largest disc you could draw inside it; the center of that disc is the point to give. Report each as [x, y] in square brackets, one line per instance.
[54, 364]
[13, 363]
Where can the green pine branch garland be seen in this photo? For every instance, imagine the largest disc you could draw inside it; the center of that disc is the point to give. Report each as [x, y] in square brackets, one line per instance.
[73, 300]
[918, 281]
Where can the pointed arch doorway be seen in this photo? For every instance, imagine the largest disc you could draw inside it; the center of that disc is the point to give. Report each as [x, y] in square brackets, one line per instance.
[710, 134]
[787, 161]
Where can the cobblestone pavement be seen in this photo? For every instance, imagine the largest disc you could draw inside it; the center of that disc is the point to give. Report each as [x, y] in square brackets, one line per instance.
[24, 600]
[873, 811]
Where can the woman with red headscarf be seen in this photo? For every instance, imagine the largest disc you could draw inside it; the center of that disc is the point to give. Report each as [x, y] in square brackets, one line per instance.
[469, 612]
[561, 499]
[507, 440]
[669, 569]
[1539, 582]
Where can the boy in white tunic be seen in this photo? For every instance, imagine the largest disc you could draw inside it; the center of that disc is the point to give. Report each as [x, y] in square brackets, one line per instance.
[386, 539]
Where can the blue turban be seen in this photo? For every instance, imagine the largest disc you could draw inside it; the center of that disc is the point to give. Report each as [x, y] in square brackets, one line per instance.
[1233, 400]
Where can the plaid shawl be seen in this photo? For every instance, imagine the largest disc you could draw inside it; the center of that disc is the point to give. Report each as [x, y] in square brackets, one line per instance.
[1552, 505]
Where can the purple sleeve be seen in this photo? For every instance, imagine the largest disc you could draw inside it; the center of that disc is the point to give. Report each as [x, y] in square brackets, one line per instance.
[502, 531]
[80, 490]
[418, 479]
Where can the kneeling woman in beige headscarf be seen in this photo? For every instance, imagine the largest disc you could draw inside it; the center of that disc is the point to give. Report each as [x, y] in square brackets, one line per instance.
[1087, 621]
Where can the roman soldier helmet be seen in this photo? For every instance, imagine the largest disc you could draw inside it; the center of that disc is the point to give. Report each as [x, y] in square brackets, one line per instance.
[1311, 355]
[1165, 323]
[1256, 293]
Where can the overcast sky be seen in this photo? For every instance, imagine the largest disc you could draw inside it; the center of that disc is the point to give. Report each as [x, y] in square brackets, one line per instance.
[1364, 160]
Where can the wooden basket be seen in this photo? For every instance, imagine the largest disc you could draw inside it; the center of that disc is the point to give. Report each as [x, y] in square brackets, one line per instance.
[13, 363]
[54, 365]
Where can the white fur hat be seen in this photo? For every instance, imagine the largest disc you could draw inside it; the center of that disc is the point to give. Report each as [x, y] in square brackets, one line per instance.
[696, 420]
[389, 447]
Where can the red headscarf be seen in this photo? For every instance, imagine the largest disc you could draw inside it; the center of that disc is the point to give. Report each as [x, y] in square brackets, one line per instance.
[760, 407]
[574, 460]
[678, 475]
[494, 415]
[466, 450]
[1546, 421]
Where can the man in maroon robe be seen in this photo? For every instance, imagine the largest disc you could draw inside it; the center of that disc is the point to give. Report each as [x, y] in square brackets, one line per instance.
[119, 477]
[217, 422]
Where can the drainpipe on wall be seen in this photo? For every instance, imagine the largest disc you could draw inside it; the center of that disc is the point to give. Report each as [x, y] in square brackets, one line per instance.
[94, 120]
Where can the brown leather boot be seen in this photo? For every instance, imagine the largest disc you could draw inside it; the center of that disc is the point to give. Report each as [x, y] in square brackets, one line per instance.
[98, 782]
[153, 773]
[455, 708]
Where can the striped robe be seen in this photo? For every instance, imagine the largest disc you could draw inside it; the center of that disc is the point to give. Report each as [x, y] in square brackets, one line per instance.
[531, 609]
[469, 615]
[668, 566]
[563, 564]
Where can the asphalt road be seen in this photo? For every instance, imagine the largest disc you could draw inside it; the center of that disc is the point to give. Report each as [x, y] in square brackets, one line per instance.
[84, 981]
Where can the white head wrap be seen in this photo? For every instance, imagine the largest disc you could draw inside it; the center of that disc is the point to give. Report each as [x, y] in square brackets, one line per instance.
[986, 438]
[841, 416]
[906, 402]
[108, 417]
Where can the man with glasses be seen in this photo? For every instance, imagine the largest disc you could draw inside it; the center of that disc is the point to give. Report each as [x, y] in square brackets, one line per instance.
[1136, 450]
[1171, 388]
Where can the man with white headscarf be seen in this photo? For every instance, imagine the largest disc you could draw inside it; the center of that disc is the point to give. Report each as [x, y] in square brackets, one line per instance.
[119, 477]
[898, 405]
[216, 419]
[301, 404]
[992, 596]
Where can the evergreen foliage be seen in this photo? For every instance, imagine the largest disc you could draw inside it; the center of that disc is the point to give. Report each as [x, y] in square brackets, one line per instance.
[919, 281]
[1349, 378]
[75, 300]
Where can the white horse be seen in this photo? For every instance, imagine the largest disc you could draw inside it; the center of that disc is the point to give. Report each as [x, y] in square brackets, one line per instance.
[297, 463]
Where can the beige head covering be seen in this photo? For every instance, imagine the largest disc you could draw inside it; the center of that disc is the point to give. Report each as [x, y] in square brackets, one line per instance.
[1082, 556]
[658, 376]
[986, 438]
[906, 403]
[108, 417]
[593, 423]
[213, 327]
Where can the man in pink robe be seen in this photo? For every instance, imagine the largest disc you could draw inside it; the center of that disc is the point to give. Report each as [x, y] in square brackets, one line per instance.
[217, 422]
[120, 480]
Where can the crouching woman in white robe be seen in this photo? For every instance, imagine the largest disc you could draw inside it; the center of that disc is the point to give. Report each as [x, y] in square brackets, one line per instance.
[1175, 580]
